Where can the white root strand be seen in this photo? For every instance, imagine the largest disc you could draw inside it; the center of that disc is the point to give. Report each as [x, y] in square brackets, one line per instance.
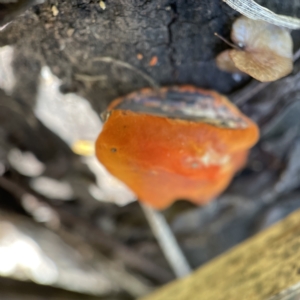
[167, 241]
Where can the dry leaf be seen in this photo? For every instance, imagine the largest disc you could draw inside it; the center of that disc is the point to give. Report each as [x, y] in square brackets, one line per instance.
[252, 10]
[225, 63]
[265, 50]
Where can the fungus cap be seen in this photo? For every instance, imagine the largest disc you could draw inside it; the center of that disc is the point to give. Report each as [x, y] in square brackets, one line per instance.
[178, 143]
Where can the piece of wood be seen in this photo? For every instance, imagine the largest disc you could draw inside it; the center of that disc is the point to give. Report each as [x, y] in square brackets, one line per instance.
[260, 268]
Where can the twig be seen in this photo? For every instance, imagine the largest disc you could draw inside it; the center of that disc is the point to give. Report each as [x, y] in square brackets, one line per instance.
[121, 63]
[131, 258]
[254, 87]
[113, 269]
[94, 235]
[227, 42]
[167, 241]
[296, 55]
[90, 78]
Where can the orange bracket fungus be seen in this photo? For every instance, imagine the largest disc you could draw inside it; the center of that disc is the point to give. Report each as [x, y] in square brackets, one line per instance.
[175, 143]
[264, 51]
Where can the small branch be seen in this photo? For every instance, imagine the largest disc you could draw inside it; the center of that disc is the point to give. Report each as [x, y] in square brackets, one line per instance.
[92, 234]
[123, 64]
[249, 91]
[167, 241]
[296, 55]
[227, 42]
[89, 78]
